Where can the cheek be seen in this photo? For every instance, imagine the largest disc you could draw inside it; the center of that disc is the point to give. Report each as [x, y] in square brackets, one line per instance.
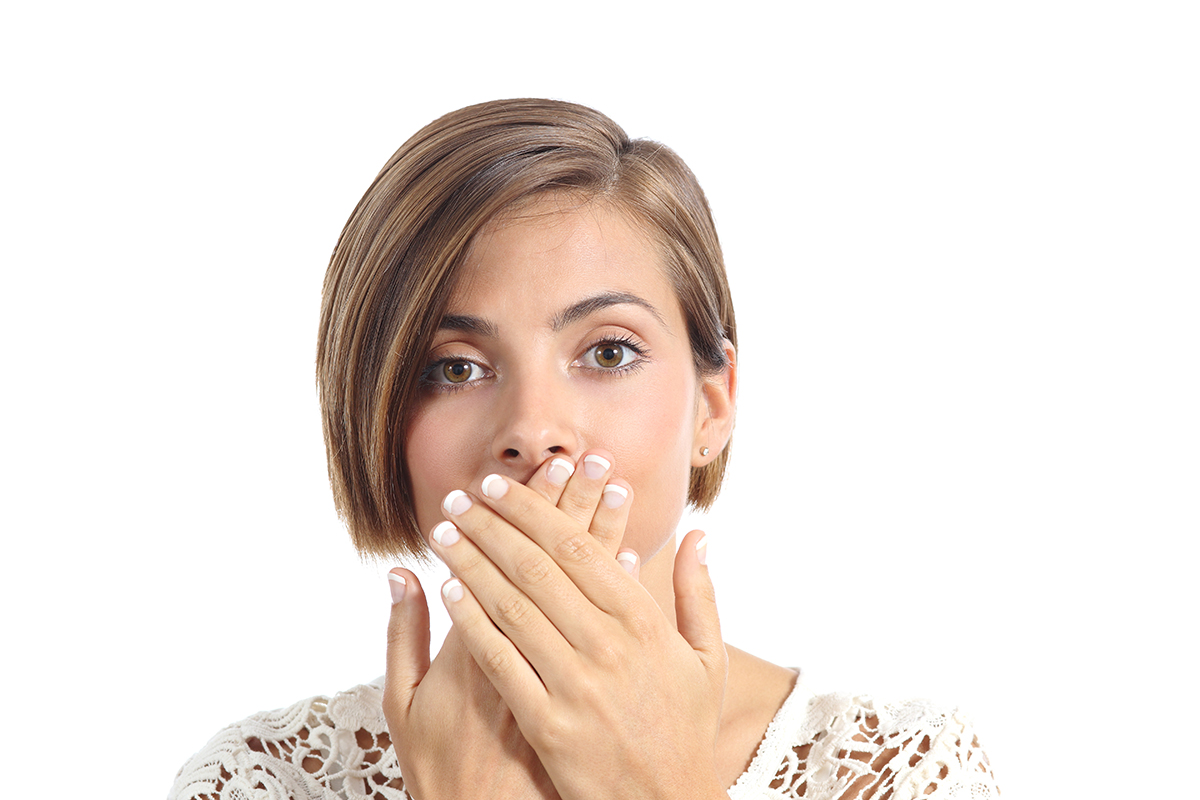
[647, 426]
[438, 459]
[651, 437]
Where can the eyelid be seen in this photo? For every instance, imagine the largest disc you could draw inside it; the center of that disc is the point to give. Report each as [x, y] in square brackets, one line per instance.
[432, 374]
[625, 341]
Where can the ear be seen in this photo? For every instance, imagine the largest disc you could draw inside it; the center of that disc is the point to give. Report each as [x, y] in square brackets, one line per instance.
[716, 408]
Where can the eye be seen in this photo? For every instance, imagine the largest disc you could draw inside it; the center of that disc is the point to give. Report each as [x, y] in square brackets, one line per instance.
[612, 355]
[457, 371]
[453, 372]
[609, 355]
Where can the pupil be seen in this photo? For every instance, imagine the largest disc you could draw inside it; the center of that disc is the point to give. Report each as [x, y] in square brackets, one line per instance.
[610, 356]
[457, 372]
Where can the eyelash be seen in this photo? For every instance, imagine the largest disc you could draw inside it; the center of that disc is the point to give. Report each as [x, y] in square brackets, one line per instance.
[627, 342]
[427, 374]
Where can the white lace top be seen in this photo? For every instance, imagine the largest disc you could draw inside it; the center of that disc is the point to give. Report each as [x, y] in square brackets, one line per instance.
[817, 747]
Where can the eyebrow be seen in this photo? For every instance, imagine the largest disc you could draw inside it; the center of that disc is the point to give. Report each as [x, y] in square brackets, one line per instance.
[469, 324]
[573, 313]
[590, 305]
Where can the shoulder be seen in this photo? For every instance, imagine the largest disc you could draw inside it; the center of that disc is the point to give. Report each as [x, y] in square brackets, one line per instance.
[848, 746]
[325, 747]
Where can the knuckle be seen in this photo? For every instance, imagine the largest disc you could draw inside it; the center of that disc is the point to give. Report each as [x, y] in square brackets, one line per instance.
[707, 592]
[594, 689]
[553, 734]
[608, 657]
[481, 529]
[605, 528]
[469, 624]
[577, 506]
[468, 563]
[513, 612]
[526, 504]
[496, 662]
[532, 571]
[396, 636]
[608, 653]
[643, 630]
[574, 549]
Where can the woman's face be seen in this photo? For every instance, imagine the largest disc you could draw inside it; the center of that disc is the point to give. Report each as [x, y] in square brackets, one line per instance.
[563, 334]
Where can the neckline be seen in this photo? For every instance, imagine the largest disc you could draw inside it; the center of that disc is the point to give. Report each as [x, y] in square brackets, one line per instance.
[784, 722]
[766, 754]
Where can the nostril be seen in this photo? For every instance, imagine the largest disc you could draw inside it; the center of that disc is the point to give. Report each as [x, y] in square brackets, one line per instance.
[511, 453]
[555, 449]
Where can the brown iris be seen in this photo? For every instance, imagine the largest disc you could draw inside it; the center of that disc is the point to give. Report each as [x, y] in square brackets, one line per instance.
[609, 355]
[456, 371]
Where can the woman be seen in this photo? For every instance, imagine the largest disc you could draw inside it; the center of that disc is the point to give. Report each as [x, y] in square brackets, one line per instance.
[527, 364]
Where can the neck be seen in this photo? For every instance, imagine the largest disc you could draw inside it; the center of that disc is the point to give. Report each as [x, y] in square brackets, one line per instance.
[657, 575]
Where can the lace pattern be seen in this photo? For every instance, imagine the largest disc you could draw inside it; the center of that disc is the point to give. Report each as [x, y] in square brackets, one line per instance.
[318, 749]
[846, 748]
[826, 747]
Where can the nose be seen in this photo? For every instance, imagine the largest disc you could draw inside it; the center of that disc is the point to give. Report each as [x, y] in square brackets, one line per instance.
[535, 420]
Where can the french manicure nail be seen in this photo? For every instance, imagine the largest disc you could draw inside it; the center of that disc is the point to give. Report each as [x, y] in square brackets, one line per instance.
[702, 549]
[628, 561]
[398, 586]
[453, 590]
[456, 502]
[595, 466]
[559, 470]
[614, 496]
[445, 534]
[494, 487]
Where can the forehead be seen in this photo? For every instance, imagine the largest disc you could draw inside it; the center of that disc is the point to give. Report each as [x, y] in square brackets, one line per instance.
[557, 248]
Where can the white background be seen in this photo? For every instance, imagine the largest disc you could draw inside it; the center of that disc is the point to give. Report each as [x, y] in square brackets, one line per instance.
[963, 243]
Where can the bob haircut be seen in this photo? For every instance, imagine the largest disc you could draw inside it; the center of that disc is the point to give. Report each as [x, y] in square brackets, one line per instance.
[396, 261]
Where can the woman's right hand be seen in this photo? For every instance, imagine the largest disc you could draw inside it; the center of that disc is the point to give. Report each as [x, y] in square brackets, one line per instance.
[453, 735]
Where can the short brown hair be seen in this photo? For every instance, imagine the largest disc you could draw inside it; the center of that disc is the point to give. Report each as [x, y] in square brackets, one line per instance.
[395, 263]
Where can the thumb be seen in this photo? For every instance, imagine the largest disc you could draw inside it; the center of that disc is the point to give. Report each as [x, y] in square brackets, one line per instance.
[696, 604]
[407, 645]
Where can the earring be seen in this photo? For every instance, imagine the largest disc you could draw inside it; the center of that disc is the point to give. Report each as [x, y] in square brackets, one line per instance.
[703, 451]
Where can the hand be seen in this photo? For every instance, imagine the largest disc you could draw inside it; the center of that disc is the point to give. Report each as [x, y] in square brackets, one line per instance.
[614, 700]
[453, 735]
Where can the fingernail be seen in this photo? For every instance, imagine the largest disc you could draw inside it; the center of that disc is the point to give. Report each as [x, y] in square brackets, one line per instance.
[445, 534]
[453, 590]
[398, 586]
[456, 502]
[595, 466]
[702, 549]
[614, 496]
[560, 469]
[494, 487]
[628, 561]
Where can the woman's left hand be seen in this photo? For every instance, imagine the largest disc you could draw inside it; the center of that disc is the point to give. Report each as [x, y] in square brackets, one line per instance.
[614, 699]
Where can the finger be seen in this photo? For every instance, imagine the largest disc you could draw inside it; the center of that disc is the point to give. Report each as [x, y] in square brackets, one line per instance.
[407, 644]
[630, 562]
[537, 620]
[498, 658]
[581, 496]
[551, 478]
[608, 523]
[696, 604]
[589, 569]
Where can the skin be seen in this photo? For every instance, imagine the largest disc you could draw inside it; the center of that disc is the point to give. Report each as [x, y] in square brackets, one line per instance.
[540, 392]
[565, 340]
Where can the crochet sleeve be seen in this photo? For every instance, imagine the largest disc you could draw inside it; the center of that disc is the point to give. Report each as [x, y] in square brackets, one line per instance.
[321, 748]
[832, 747]
[851, 749]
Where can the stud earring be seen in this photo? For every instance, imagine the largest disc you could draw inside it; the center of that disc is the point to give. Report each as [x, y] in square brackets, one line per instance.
[703, 451]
